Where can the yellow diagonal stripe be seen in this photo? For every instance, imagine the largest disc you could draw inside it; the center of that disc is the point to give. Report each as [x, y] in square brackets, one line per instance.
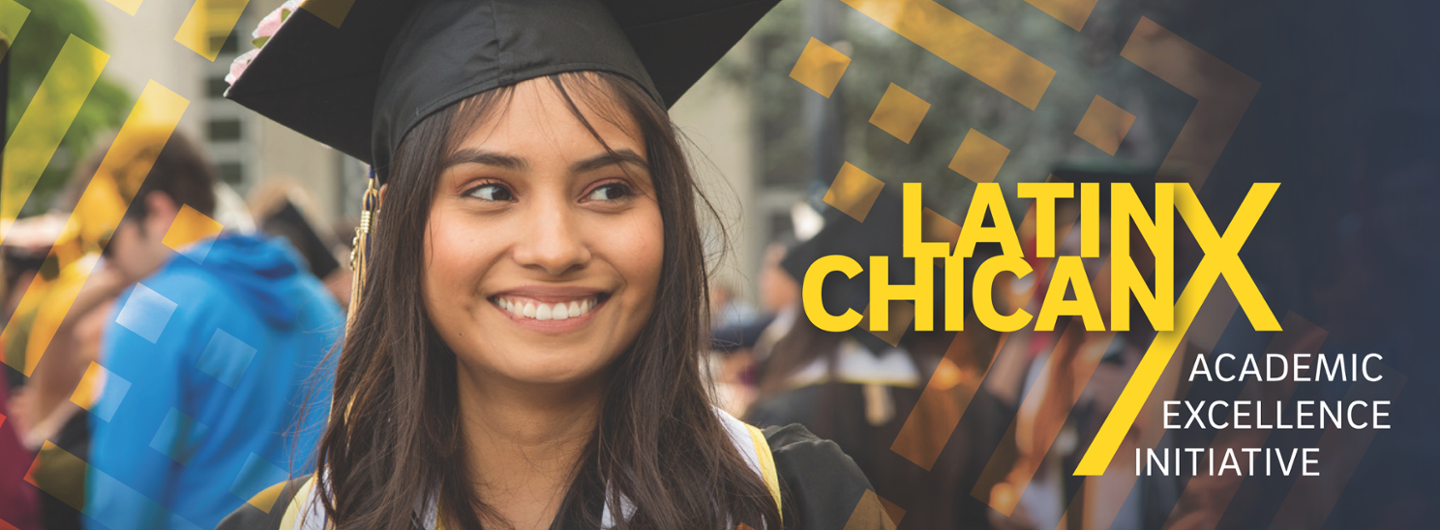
[12, 16]
[963, 44]
[1219, 260]
[1123, 414]
[45, 477]
[1073, 13]
[128, 6]
[209, 18]
[332, 11]
[43, 125]
[136, 146]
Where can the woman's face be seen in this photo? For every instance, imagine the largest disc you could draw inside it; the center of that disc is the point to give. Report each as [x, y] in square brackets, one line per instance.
[543, 250]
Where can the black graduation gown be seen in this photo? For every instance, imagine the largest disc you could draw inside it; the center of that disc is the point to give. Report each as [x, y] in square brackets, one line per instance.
[821, 490]
[935, 499]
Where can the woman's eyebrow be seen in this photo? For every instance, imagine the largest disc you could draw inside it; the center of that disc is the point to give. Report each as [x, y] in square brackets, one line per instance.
[615, 158]
[476, 156]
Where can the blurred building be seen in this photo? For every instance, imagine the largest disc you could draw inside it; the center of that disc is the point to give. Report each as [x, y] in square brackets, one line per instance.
[246, 148]
[717, 120]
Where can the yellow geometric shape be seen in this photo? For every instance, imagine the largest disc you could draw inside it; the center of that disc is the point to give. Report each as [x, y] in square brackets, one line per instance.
[265, 500]
[50, 478]
[979, 158]
[1073, 13]
[820, 67]
[12, 16]
[128, 6]
[853, 191]
[84, 394]
[869, 513]
[156, 114]
[38, 133]
[208, 25]
[963, 44]
[332, 11]
[1222, 94]
[893, 510]
[928, 427]
[902, 313]
[1042, 415]
[935, 228]
[190, 226]
[1104, 125]
[899, 113]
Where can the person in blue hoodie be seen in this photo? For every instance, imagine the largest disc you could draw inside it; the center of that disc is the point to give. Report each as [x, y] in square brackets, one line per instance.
[216, 380]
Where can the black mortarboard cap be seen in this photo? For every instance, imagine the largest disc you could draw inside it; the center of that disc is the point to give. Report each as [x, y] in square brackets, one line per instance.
[362, 86]
[288, 222]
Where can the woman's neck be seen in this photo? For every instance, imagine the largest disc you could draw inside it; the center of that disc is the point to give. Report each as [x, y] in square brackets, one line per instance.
[524, 442]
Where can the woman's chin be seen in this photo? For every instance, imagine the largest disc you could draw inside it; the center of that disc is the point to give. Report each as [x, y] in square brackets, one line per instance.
[551, 368]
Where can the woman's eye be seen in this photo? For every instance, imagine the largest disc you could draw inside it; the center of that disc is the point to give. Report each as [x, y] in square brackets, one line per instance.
[609, 192]
[491, 192]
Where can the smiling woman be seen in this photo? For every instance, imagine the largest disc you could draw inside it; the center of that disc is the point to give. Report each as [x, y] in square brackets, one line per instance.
[569, 217]
[526, 352]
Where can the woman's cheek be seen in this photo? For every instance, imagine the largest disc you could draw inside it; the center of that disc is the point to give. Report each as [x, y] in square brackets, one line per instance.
[648, 251]
[452, 259]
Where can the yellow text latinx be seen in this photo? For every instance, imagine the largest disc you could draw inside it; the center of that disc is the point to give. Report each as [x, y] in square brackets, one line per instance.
[1221, 258]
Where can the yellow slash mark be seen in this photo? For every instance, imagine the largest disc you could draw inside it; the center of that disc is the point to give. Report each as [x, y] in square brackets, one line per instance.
[1222, 94]
[1097, 458]
[136, 146]
[12, 16]
[128, 6]
[45, 121]
[1220, 260]
[209, 24]
[57, 459]
[1073, 13]
[963, 44]
[332, 11]
[869, 513]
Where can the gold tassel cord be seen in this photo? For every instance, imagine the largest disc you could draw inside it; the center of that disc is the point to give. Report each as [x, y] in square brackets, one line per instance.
[359, 256]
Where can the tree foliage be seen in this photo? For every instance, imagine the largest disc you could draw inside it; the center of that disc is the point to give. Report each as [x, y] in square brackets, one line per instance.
[36, 46]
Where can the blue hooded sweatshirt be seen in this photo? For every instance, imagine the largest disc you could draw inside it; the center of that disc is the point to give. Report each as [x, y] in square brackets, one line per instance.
[214, 386]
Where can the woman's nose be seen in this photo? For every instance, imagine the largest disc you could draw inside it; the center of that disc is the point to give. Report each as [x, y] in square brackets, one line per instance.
[551, 239]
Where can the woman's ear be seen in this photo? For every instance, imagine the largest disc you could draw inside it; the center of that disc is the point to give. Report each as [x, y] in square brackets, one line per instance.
[381, 203]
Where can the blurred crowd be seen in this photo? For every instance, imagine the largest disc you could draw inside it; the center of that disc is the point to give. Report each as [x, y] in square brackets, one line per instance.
[162, 334]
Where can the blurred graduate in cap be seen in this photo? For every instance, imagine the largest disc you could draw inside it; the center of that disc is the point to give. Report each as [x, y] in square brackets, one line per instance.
[860, 388]
[529, 311]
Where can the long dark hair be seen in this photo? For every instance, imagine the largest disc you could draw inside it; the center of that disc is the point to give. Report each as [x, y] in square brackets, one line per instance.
[394, 435]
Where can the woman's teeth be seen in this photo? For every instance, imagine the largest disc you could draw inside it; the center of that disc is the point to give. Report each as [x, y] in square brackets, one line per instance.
[542, 311]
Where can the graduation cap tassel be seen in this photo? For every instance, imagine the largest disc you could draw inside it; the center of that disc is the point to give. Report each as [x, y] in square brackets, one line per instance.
[360, 254]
